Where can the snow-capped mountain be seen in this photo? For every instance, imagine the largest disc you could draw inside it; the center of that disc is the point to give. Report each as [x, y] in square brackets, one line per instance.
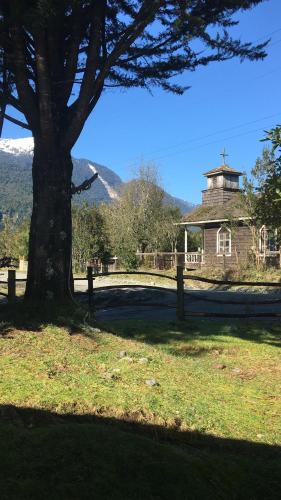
[17, 147]
[16, 180]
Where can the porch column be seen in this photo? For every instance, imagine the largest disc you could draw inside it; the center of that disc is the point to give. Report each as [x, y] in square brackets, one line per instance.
[203, 245]
[185, 245]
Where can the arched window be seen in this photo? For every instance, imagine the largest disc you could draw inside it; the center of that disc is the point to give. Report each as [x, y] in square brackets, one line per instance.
[224, 241]
[268, 240]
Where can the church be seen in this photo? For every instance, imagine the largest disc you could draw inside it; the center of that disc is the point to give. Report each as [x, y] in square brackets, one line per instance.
[228, 238]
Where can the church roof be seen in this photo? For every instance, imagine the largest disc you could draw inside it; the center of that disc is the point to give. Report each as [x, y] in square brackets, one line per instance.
[223, 168]
[230, 210]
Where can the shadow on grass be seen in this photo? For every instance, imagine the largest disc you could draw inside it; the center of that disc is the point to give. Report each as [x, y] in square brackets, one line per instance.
[76, 320]
[46, 455]
[160, 332]
[35, 317]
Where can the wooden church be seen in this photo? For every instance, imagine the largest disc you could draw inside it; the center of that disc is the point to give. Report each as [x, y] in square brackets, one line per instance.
[227, 238]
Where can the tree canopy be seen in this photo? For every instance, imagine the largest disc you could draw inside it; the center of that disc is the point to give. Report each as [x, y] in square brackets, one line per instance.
[58, 56]
[268, 209]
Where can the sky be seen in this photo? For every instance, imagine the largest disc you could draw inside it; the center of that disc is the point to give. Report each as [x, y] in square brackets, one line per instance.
[229, 105]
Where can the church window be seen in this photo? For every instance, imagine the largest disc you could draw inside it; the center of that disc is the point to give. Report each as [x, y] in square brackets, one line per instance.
[224, 241]
[268, 240]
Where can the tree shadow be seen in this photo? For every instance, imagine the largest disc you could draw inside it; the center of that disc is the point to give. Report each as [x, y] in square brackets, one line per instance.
[35, 317]
[165, 333]
[49, 455]
[76, 320]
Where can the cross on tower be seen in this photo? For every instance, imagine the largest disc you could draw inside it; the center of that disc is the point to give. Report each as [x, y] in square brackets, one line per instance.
[224, 154]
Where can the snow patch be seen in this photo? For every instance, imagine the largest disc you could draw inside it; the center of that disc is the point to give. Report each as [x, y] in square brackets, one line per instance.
[17, 146]
[111, 192]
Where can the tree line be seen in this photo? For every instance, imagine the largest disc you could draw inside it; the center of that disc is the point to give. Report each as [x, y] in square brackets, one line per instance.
[138, 221]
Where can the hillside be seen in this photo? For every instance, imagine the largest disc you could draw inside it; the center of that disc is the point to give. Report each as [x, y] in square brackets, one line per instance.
[16, 181]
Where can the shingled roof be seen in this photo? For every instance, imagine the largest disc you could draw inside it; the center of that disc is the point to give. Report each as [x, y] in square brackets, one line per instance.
[222, 168]
[230, 210]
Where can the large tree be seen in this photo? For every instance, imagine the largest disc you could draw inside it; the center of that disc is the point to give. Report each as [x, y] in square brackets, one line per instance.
[58, 56]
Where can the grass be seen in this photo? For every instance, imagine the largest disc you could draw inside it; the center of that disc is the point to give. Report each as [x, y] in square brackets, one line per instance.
[249, 274]
[79, 421]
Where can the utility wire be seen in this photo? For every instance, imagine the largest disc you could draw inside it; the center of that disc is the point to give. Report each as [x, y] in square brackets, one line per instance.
[200, 146]
[199, 138]
[266, 36]
[230, 128]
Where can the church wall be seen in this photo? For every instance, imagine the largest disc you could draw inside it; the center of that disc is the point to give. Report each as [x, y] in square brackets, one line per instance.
[241, 243]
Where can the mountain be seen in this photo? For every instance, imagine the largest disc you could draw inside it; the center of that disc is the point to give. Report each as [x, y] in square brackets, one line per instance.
[16, 180]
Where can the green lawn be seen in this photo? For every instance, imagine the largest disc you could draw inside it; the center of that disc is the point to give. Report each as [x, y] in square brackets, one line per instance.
[79, 420]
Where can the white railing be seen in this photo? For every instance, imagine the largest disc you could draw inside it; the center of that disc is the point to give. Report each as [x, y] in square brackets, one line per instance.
[270, 253]
[193, 258]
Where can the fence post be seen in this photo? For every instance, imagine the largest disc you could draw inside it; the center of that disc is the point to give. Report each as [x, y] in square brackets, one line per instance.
[180, 293]
[11, 285]
[90, 286]
[104, 267]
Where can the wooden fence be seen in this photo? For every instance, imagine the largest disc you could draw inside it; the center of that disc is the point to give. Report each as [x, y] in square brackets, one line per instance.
[180, 279]
[182, 314]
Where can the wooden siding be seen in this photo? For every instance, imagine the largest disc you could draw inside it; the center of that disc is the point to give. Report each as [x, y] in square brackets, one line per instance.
[218, 196]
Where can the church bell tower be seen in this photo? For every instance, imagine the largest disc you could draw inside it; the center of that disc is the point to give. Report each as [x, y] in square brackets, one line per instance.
[222, 185]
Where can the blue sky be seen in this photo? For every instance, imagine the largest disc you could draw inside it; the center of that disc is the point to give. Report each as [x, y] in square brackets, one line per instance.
[229, 105]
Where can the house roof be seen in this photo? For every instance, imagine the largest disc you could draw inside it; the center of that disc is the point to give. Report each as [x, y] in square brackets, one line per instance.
[230, 210]
[222, 168]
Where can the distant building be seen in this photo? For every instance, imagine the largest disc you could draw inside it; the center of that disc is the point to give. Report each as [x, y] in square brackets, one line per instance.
[227, 239]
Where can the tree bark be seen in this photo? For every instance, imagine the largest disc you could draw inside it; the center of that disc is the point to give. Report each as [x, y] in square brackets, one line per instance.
[49, 260]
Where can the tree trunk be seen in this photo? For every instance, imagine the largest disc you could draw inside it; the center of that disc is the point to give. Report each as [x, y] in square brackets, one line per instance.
[49, 260]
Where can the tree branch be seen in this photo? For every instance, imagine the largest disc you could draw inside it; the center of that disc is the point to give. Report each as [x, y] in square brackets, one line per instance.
[84, 186]
[92, 61]
[91, 91]
[11, 100]
[72, 55]
[25, 91]
[16, 122]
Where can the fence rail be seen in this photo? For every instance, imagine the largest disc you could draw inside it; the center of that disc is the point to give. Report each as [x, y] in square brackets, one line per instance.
[233, 315]
[110, 273]
[232, 283]
[235, 302]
